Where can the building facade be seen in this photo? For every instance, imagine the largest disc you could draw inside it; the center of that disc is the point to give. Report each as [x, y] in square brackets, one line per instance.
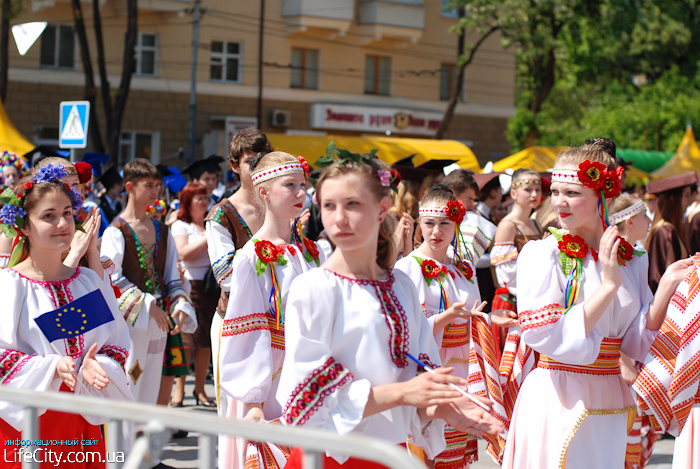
[351, 67]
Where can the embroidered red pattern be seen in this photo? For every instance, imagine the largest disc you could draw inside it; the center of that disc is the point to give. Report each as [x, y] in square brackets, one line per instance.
[117, 354]
[540, 317]
[309, 395]
[252, 322]
[11, 361]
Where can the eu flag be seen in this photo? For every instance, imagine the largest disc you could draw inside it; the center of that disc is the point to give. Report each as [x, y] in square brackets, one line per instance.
[77, 317]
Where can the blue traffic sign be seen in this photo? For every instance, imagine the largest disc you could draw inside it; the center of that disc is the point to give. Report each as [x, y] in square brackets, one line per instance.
[74, 120]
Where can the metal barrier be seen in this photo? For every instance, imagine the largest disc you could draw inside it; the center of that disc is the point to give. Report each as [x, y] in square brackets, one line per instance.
[157, 419]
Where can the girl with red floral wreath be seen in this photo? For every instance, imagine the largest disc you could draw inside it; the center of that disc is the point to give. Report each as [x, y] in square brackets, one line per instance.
[351, 325]
[581, 301]
[447, 288]
[253, 332]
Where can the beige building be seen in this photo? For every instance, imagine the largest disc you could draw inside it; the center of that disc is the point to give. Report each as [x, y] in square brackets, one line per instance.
[351, 67]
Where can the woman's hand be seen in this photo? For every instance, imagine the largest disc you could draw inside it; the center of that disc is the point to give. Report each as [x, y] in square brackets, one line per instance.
[466, 416]
[93, 373]
[303, 219]
[82, 241]
[93, 229]
[676, 272]
[402, 234]
[609, 245]
[179, 317]
[458, 310]
[254, 413]
[66, 370]
[628, 370]
[160, 316]
[429, 389]
[504, 318]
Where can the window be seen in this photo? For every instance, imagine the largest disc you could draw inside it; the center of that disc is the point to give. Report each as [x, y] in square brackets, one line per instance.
[147, 54]
[136, 145]
[304, 69]
[226, 61]
[58, 47]
[448, 82]
[448, 12]
[377, 75]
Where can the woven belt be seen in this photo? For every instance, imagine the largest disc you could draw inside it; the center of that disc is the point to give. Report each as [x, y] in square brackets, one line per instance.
[607, 363]
[455, 335]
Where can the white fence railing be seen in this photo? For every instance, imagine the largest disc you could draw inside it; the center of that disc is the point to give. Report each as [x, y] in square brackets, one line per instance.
[156, 421]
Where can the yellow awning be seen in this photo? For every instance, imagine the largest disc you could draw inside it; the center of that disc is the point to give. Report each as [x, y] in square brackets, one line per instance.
[10, 138]
[390, 149]
[538, 158]
[687, 158]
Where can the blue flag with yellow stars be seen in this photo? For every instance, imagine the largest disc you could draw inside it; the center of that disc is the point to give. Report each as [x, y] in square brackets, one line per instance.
[77, 317]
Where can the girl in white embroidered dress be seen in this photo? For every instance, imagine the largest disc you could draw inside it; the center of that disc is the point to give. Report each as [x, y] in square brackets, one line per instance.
[445, 287]
[572, 410]
[350, 326]
[252, 337]
[90, 363]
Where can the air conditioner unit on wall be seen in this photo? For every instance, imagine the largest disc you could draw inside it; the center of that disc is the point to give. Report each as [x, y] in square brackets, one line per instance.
[280, 118]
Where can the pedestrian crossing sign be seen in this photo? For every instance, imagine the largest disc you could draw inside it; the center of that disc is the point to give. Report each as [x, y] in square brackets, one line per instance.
[74, 124]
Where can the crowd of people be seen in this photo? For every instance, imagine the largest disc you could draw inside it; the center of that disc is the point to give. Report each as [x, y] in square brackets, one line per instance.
[555, 312]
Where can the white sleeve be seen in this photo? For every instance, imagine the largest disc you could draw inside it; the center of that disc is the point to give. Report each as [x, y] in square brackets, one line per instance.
[477, 233]
[19, 369]
[315, 389]
[245, 353]
[541, 305]
[221, 253]
[179, 228]
[638, 339]
[112, 356]
[133, 303]
[504, 257]
[179, 299]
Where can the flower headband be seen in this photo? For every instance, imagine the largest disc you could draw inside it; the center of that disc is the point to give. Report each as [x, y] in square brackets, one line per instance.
[596, 176]
[12, 213]
[389, 179]
[453, 209]
[525, 182]
[281, 169]
[10, 158]
[627, 213]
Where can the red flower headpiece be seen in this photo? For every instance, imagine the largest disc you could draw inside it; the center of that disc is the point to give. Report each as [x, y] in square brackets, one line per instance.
[395, 177]
[592, 174]
[84, 171]
[304, 165]
[456, 211]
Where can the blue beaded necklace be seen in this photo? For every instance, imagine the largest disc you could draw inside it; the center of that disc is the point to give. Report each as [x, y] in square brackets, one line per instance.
[152, 283]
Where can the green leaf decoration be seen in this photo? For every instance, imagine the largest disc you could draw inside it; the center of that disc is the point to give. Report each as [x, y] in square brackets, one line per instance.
[638, 253]
[373, 153]
[323, 162]
[8, 231]
[16, 256]
[442, 274]
[471, 281]
[260, 267]
[558, 234]
[428, 280]
[318, 263]
[330, 150]
[308, 256]
[419, 260]
[7, 196]
[19, 221]
[281, 260]
[567, 263]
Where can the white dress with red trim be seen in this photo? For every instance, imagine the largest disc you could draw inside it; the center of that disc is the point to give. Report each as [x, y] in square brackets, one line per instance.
[453, 340]
[253, 340]
[345, 336]
[28, 360]
[572, 409]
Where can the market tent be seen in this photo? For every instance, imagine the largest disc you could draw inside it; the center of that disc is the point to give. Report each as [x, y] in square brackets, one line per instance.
[536, 157]
[687, 158]
[390, 149]
[10, 138]
[645, 160]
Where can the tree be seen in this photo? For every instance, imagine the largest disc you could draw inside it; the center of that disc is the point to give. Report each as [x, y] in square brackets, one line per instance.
[482, 17]
[113, 107]
[10, 10]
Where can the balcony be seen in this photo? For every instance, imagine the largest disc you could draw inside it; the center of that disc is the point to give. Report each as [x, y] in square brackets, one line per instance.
[335, 16]
[152, 5]
[397, 19]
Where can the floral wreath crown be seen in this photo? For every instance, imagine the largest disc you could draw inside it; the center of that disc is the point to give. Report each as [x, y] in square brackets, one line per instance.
[12, 214]
[453, 210]
[596, 176]
[10, 158]
[390, 179]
